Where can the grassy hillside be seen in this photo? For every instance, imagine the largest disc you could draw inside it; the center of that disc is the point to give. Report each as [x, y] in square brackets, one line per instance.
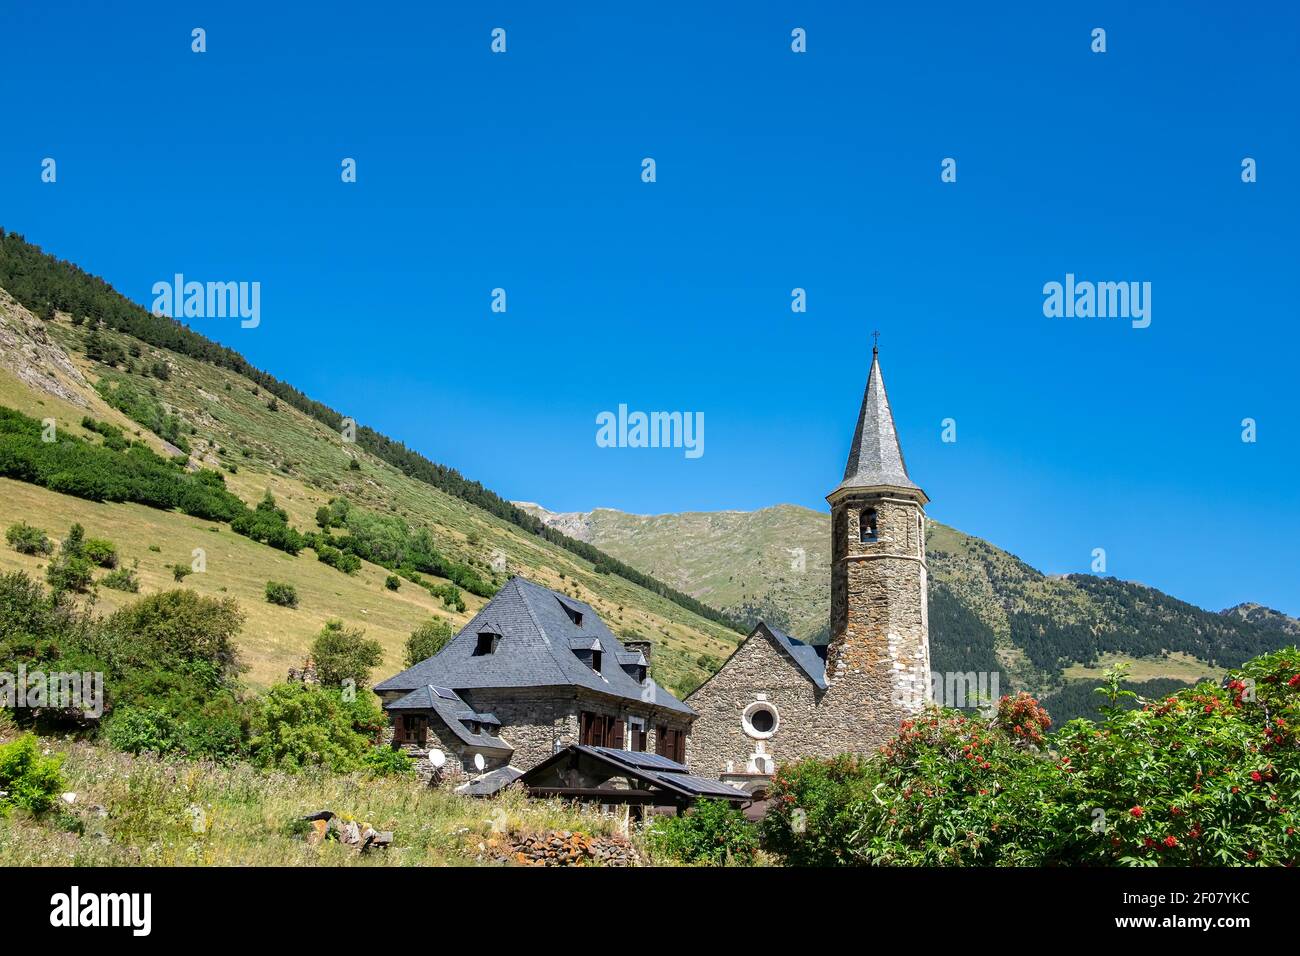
[987, 607]
[260, 443]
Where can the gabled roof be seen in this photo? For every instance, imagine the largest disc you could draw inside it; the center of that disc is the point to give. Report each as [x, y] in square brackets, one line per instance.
[876, 458]
[808, 659]
[811, 658]
[534, 651]
[659, 771]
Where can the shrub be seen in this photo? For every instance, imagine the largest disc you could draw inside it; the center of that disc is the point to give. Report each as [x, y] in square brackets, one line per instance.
[1209, 776]
[26, 539]
[176, 631]
[298, 725]
[392, 582]
[71, 570]
[28, 779]
[173, 712]
[285, 595]
[269, 524]
[180, 572]
[123, 579]
[811, 819]
[427, 639]
[345, 654]
[712, 832]
[136, 730]
[100, 552]
[387, 762]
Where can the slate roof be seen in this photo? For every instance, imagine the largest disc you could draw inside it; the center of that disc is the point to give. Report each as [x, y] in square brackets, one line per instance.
[876, 458]
[449, 706]
[486, 784]
[811, 658]
[534, 651]
[652, 768]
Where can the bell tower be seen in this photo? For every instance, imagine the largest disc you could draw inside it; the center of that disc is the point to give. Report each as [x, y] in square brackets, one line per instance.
[878, 660]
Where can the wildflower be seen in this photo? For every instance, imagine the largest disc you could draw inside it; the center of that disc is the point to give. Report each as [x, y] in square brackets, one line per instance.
[1136, 811]
[1170, 841]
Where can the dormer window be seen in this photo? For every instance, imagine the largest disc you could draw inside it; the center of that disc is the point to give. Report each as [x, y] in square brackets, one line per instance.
[486, 644]
[595, 661]
[867, 526]
[574, 614]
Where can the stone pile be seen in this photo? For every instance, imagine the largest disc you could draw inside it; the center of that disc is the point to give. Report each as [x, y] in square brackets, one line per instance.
[361, 837]
[561, 848]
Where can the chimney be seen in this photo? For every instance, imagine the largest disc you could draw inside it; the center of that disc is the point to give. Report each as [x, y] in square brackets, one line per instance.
[640, 644]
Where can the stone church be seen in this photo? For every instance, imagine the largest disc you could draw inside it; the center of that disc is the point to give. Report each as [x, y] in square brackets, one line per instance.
[777, 699]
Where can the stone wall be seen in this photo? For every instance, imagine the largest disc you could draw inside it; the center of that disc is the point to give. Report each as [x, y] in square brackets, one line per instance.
[537, 721]
[758, 667]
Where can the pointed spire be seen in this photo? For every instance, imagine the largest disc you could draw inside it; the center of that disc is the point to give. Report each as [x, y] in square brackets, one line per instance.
[876, 459]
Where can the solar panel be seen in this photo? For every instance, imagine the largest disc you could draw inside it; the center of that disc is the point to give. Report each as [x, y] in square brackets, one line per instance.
[703, 785]
[444, 693]
[635, 758]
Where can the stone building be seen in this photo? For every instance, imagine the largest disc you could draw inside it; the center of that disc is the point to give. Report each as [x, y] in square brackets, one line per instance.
[776, 699]
[533, 672]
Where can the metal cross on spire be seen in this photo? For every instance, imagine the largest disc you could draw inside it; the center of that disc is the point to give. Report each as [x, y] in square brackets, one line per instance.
[875, 342]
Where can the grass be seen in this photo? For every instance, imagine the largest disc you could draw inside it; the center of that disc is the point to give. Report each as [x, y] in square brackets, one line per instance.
[178, 813]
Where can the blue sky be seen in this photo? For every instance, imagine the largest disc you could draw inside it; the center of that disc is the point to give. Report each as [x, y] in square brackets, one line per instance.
[774, 171]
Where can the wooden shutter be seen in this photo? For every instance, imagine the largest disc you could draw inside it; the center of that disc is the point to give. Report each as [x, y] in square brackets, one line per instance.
[422, 730]
[616, 738]
[584, 728]
[661, 740]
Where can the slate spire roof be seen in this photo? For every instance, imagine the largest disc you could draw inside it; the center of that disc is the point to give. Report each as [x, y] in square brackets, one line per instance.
[876, 459]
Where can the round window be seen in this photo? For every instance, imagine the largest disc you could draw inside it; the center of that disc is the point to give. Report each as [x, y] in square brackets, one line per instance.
[760, 720]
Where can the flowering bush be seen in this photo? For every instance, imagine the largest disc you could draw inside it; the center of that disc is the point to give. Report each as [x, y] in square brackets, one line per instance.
[1023, 719]
[814, 810]
[1207, 776]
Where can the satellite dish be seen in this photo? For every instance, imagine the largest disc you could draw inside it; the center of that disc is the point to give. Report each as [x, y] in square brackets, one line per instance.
[437, 757]
[479, 762]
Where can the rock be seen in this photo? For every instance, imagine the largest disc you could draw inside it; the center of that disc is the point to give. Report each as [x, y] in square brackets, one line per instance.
[316, 836]
[69, 798]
